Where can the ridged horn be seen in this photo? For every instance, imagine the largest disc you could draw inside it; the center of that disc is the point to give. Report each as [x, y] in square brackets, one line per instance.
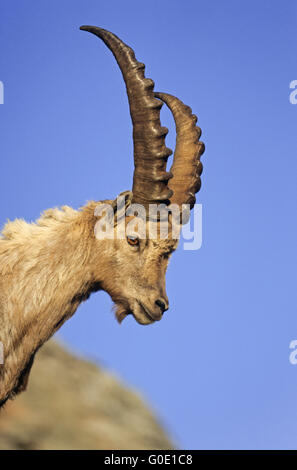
[186, 167]
[150, 153]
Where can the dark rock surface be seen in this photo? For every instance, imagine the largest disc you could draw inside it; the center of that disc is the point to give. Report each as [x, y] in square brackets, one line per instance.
[73, 404]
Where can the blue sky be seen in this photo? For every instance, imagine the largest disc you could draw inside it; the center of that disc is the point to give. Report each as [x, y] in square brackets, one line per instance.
[216, 369]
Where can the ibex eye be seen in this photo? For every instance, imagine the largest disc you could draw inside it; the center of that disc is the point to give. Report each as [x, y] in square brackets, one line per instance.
[133, 241]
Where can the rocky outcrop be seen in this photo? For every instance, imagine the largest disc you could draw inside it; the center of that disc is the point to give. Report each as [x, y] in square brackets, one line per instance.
[73, 404]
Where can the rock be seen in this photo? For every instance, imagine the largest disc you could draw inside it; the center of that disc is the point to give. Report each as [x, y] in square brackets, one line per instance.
[73, 404]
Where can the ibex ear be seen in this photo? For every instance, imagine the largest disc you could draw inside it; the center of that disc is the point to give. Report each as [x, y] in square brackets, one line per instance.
[121, 203]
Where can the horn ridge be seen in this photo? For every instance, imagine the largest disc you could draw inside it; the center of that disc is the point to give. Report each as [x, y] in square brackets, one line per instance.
[186, 167]
[150, 151]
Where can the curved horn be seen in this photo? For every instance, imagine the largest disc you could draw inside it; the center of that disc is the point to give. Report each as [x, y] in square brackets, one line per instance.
[186, 167]
[150, 153]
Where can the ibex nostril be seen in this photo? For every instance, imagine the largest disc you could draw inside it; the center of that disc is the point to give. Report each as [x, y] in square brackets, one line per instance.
[162, 305]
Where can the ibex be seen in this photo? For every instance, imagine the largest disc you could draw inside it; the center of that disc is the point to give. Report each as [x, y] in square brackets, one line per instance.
[49, 267]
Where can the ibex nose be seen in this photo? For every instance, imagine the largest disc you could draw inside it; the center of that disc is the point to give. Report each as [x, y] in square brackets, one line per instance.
[162, 304]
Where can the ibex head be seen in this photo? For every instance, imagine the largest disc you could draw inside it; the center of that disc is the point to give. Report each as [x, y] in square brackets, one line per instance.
[136, 281]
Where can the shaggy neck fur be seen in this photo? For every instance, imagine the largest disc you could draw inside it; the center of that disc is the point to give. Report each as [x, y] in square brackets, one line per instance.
[46, 270]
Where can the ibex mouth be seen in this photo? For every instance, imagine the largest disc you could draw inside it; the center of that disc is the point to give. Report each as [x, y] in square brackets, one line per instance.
[140, 312]
[148, 313]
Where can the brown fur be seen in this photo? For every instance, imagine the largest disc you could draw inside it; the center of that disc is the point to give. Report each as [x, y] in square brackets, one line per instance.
[48, 268]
